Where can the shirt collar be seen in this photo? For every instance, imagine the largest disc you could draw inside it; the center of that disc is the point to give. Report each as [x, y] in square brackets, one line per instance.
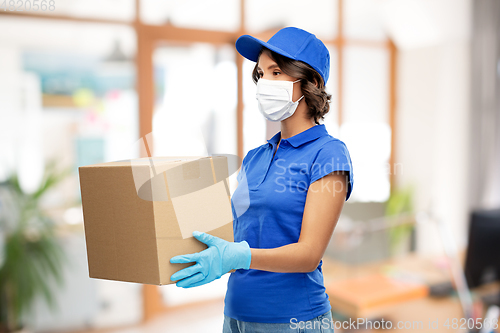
[298, 139]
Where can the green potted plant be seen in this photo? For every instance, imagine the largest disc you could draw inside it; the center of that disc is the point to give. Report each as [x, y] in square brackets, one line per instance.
[31, 255]
[398, 211]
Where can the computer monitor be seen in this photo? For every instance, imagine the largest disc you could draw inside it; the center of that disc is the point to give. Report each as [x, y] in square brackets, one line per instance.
[482, 264]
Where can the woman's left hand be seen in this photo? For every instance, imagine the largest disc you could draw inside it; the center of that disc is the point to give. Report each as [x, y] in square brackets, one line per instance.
[220, 257]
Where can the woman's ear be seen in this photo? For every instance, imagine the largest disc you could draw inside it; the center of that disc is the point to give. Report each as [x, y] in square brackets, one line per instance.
[316, 83]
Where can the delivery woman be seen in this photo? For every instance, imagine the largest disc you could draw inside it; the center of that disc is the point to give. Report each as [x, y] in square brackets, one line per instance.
[290, 194]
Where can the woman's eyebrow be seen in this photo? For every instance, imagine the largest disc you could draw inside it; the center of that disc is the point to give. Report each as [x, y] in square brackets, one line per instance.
[270, 67]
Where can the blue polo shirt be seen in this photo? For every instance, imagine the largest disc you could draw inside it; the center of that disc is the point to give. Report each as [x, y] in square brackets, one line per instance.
[267, 207]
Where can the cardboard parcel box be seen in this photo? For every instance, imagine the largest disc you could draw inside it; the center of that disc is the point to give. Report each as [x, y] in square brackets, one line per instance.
[139, 213]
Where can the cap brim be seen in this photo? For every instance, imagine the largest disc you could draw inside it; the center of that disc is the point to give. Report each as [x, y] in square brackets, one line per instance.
[249, 47]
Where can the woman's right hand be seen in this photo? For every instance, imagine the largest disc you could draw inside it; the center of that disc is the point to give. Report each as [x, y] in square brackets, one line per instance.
[220, 258]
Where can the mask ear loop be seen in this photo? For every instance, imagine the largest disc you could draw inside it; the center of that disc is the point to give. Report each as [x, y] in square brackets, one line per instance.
[299, 98]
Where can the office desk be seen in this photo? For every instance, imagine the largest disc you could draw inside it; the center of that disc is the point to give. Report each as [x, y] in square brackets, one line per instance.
[415, 311]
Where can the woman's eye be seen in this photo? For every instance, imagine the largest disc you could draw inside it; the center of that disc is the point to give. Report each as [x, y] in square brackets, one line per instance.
[276, 73]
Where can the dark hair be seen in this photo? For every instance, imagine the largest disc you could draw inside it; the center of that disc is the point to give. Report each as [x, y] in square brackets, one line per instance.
[317, 99]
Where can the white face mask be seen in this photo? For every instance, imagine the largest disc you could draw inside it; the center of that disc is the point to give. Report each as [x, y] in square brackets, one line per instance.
[275, 99]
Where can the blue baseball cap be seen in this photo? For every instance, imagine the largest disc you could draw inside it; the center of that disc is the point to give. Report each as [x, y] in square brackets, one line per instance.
[293, 43]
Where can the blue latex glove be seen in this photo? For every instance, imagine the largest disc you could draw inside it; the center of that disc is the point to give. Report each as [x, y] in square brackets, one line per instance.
[220, 257]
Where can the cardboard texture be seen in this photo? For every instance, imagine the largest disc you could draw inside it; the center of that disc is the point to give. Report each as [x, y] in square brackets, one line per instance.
[139, 213]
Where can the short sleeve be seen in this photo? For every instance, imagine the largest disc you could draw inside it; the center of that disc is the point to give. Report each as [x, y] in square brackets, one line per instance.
[333, 156]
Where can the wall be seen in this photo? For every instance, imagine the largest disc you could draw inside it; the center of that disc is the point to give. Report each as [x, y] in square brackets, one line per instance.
[433, 117]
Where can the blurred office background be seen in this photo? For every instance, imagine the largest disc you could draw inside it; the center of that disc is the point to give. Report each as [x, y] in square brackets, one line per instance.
[414, 89]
